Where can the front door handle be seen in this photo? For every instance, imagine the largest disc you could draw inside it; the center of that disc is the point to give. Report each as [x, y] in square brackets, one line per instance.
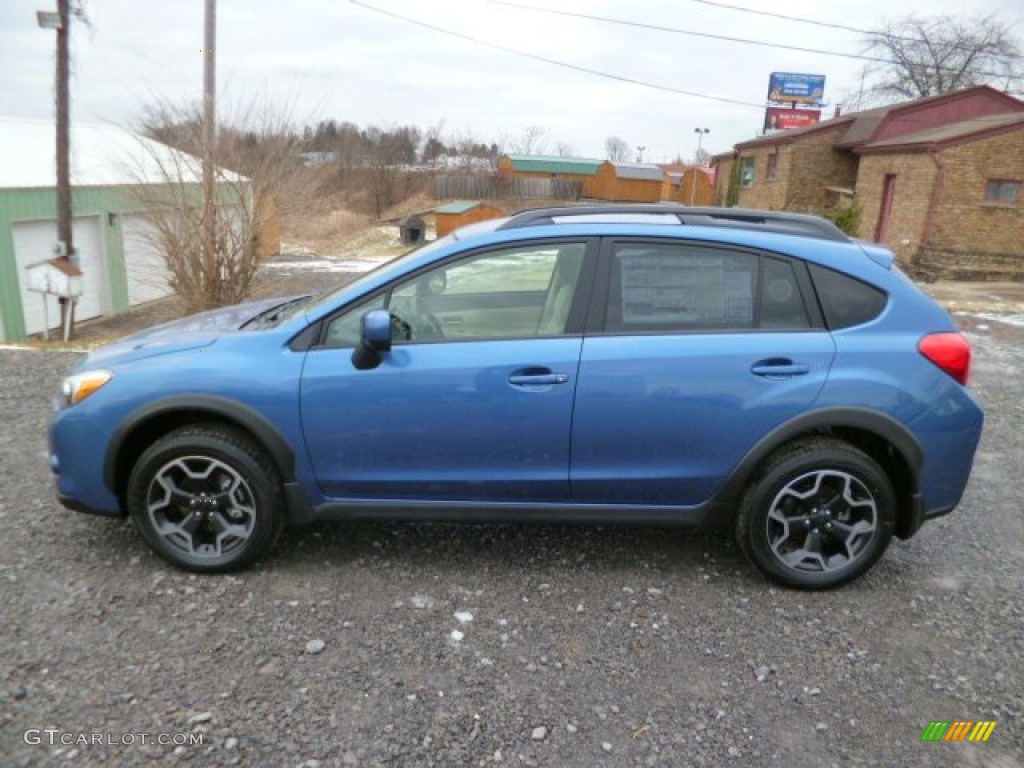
[537, 377]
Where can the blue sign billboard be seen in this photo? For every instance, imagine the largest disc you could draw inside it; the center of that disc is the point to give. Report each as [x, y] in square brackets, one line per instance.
[789, 87]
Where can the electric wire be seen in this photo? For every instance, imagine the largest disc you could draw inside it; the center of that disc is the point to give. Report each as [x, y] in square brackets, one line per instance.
[555, 62]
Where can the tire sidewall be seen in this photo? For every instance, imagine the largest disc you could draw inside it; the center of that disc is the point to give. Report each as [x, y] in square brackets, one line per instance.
[266, 525]
[758, 500]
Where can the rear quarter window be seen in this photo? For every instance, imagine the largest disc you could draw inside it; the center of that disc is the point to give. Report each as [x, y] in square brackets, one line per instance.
[846, 301]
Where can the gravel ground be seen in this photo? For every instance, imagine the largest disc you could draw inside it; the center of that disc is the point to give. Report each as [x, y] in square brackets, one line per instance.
[417, 645]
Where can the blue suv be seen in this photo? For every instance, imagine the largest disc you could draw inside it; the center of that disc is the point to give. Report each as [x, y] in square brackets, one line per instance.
[655, 364]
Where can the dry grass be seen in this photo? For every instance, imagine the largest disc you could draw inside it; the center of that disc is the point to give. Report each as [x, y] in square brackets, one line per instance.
[323, 231]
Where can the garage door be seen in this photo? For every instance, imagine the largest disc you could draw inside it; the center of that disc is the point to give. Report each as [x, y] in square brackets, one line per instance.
[33, 241]
[144, 264]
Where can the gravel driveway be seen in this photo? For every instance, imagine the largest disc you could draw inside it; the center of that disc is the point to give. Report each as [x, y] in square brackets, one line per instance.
[407, 645]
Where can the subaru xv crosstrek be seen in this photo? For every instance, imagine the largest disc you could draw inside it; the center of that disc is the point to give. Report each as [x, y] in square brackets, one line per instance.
[636, 364]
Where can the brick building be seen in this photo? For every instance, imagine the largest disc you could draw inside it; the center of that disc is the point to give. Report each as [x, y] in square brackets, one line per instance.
[938, 180]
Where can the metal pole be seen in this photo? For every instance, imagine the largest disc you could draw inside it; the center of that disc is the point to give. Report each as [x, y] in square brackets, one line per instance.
[693, 182]
[209, 137]
[64, 232]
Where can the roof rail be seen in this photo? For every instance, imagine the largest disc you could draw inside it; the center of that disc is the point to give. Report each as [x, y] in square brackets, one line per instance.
[783, 222]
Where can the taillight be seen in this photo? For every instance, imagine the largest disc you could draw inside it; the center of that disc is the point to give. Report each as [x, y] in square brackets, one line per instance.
[949, 351]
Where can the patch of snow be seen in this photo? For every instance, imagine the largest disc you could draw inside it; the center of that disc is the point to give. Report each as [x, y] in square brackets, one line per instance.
[1015, 320]
[463, 616]
[326, 265]
[457, 636]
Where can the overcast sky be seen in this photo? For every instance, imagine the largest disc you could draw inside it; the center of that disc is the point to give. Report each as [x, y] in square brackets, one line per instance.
[339, 59]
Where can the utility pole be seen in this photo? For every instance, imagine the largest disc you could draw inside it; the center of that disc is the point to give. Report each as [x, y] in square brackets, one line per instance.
[65, 238]
[63, 131]
[209, 222]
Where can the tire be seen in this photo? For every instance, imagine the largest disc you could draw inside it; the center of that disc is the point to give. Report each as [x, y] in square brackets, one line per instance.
[207, 499]
[818, 515]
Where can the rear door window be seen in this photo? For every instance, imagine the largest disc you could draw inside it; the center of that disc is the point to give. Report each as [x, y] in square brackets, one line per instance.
[671, 287]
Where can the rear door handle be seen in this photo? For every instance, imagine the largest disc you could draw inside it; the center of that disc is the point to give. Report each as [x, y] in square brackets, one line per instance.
[779, 368]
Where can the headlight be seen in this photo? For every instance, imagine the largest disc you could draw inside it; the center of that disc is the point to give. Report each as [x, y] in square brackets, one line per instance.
[76, 388]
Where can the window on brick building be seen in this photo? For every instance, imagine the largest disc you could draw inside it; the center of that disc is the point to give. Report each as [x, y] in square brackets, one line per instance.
[1002, 191]
[772, 171]
[746, 171]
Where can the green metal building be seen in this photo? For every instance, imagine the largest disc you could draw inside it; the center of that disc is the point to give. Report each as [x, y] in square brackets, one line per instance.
[112, 235]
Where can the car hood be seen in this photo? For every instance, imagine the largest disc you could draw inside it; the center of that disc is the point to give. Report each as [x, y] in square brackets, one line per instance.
[192, 332]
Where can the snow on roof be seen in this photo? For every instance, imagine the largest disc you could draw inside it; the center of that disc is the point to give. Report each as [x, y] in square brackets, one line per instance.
[639, 171]
[101, 155]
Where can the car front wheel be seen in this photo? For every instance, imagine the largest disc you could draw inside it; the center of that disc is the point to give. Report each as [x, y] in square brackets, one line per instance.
[206, 498]
[819, 514]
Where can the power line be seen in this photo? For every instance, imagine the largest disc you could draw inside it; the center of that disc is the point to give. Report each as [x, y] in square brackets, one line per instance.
[690, 32]
[725, 38]
[554, 62]
[819, 23]
[798, 19]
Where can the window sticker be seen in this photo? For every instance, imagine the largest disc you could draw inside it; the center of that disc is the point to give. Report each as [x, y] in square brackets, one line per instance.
[669, 289]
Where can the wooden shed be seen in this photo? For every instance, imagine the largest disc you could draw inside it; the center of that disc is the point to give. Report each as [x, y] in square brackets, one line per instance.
[628, 182]
[696, 187]
[450, 217]
[412, 230]
[541, 166]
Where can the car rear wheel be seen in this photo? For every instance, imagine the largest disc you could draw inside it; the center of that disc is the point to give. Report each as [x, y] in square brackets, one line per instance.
[206, 498]
[818, 515]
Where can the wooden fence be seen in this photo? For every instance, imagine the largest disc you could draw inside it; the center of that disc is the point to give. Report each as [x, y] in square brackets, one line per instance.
[505, 188]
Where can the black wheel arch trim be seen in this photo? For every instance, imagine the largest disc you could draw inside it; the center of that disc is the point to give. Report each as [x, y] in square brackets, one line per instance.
[822, 421]
[221, 408]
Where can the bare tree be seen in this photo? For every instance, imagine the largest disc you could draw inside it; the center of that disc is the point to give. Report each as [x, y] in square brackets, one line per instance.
[616, 149]
[929, 55]
[564, 149]
[392, 152]
[256, 165]
[433, 146]
[532, 141]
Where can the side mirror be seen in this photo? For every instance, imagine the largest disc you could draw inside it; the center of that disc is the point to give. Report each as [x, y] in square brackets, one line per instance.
[375, 339]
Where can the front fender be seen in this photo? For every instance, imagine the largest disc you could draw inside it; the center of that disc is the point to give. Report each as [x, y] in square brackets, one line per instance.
[181, 408]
